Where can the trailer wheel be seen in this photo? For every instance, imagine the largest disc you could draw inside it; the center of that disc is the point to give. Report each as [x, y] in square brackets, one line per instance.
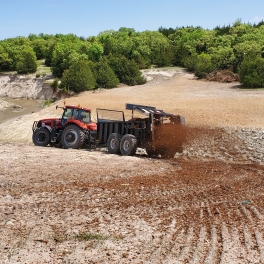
[41, 137]
[72, 137]
[128, 145]
[113, 143]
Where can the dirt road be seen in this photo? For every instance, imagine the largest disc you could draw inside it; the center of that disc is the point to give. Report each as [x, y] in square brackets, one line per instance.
[81, 206]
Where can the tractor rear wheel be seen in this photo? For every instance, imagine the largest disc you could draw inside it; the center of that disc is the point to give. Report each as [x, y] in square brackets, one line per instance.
[72, 137]
[128, 145]
[113, 143]
[41, 137]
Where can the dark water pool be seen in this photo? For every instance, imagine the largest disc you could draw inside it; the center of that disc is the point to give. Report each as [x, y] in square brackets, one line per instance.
[20, 107]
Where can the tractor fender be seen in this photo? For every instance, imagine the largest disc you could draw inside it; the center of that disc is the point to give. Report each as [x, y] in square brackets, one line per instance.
[47, 127]
[77, 123]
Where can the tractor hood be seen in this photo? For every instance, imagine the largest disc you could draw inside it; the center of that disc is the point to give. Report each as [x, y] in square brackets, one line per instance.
[50, 122]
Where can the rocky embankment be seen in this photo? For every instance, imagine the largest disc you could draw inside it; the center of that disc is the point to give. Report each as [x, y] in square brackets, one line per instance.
[226, 144]
[25, 86]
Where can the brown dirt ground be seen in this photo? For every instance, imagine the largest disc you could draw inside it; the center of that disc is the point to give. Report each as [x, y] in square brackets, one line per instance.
[81, 206]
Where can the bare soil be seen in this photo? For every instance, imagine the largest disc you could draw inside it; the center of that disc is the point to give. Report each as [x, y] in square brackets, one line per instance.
[87, 206]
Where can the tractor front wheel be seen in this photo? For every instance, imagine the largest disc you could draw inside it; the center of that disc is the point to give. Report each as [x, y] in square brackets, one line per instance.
[72, 137]
[41, 137]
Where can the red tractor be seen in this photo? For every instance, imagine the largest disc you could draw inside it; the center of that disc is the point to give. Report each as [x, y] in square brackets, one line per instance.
[70, 131]
[156, 131]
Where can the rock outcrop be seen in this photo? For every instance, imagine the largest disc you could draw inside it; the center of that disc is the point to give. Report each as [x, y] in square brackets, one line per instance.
[25, 86]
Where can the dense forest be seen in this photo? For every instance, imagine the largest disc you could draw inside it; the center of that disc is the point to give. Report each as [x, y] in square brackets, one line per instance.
[114, 57]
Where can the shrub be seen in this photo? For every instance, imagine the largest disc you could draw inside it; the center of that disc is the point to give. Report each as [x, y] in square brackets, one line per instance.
[49, 101]
[78, 77]
[190, 61]
[27, 62]
[203, 65]
[251, 72]
[126, 71]
[55, 84]
[105, 76]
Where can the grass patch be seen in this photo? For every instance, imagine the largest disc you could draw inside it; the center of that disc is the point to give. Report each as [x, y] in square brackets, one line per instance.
[89, 236]
[49, 101]
[42, 69]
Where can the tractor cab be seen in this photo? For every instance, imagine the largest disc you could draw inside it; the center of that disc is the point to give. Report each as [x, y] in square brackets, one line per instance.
[72, 112]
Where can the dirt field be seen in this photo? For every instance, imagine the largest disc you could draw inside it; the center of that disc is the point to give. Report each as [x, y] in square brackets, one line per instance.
[80, 206]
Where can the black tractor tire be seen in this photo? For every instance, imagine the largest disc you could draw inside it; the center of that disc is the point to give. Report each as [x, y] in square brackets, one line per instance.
[41, 137]
[113, 143]
[128, 145]
[72, 137]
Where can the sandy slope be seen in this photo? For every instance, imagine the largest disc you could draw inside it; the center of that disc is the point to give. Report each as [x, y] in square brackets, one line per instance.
[174, 91]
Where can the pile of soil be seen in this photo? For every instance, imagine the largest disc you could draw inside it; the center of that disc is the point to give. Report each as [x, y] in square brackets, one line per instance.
[223, 76]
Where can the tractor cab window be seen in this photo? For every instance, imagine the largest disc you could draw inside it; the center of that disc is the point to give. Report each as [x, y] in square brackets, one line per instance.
[84, 116]
[75, 113]
[67, 114]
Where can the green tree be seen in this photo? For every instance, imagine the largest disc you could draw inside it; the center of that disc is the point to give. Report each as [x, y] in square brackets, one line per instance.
[222, 57]
[5, 60]
[140, 53]
[166, 31]
[158, 50]
[251, 72]
[40, 48]
[78, 77]
[60, 57]
[95, 52]
[126, 71]
[11, 50]
[238, 29]
[244, 49]
[107, 40]
[203, 65]
[123, 44]
[51, 44]
[27, 62]
[189, 41]
[105, 76]
[190, 61]
[220, 31]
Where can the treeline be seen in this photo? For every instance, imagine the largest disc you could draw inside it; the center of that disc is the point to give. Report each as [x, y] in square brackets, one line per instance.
[114, 57]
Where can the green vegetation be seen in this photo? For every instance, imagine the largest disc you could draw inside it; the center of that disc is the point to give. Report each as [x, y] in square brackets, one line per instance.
[49, 101]
[104, 74]
[89, 236]
[252, 72]
[114, 57]
[78, 77]
[42, 69]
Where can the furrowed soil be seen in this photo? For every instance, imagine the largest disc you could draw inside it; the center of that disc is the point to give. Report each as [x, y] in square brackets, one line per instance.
[206, 205]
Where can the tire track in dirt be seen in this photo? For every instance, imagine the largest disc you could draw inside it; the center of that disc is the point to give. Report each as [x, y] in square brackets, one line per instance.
[168, 211]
